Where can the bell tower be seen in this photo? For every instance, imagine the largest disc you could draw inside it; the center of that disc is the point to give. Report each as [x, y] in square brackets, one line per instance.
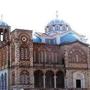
[21, 59]
[4, 55]
[4, 44]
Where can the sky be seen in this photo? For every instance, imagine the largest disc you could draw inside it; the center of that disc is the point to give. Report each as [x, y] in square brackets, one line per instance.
[36, 14]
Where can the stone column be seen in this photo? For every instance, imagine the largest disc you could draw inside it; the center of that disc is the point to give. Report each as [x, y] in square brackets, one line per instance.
[54, 81]
[44, 80]
[31, 78]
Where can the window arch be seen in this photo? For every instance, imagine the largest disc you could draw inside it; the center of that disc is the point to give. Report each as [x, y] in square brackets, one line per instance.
[24, 52]
[13, 52]
[49, 79]
[5, 81]
[2, 82]
[24, 77]
[3, 56]
[0, 57]
[77, 55]
[60, 79]
[13, 78]
[34, 56]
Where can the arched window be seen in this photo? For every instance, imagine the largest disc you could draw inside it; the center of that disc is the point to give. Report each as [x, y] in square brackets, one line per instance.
[38, 79]
[13, 52]
[55, 56]
[34, 56]
[24, 77]
[0, 57]
[77, 55]
[3, 56]
[60, 79]
[2, 82]
[13, 78]
[24, 53]
[49, 79]
[5, 81]
[49, 57]
[41, 56]
[45, 57]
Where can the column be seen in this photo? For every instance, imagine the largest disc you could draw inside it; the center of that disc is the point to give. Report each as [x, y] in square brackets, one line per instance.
[32, 83]
[44, 80]
[54, 81]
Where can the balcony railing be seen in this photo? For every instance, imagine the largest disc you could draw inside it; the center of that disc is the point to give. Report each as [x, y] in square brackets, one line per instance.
[57, 89]
[49, 65]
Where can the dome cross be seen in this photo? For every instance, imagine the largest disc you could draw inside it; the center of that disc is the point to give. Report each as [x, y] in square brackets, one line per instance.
[57, 14]
[1, 16]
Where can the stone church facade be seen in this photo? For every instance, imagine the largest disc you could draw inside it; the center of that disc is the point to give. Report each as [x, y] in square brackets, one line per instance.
[57, 59]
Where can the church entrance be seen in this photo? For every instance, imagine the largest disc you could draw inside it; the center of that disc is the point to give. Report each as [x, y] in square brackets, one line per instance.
[78, 83]
[60, 79]
[49, 79]
[38, 79]
[78, 80]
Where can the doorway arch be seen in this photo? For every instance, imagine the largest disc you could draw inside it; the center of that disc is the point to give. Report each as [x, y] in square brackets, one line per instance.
[38, 79]
[60, 79]
[78, 80]
[49, 79]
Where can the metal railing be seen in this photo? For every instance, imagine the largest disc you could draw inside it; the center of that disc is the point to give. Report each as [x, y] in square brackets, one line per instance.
[57, 89]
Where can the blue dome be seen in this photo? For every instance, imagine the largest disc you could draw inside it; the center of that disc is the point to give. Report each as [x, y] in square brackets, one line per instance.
[70, 37]
[37, 40]
[56, 25]
[2, 23]
[55, 22]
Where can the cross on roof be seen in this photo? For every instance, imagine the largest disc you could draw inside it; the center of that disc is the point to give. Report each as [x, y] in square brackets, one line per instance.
[1, 16]
[56, 14]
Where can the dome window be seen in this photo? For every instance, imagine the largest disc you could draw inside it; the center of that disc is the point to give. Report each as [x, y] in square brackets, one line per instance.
[57, 27]
[1, 36]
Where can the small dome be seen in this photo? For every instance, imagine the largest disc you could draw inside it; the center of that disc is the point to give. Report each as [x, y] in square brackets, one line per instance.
[55, 22]
[37, 40]
[57, 25]
[2, 23]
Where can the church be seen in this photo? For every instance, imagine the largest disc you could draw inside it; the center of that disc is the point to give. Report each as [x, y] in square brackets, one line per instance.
[58, 59]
